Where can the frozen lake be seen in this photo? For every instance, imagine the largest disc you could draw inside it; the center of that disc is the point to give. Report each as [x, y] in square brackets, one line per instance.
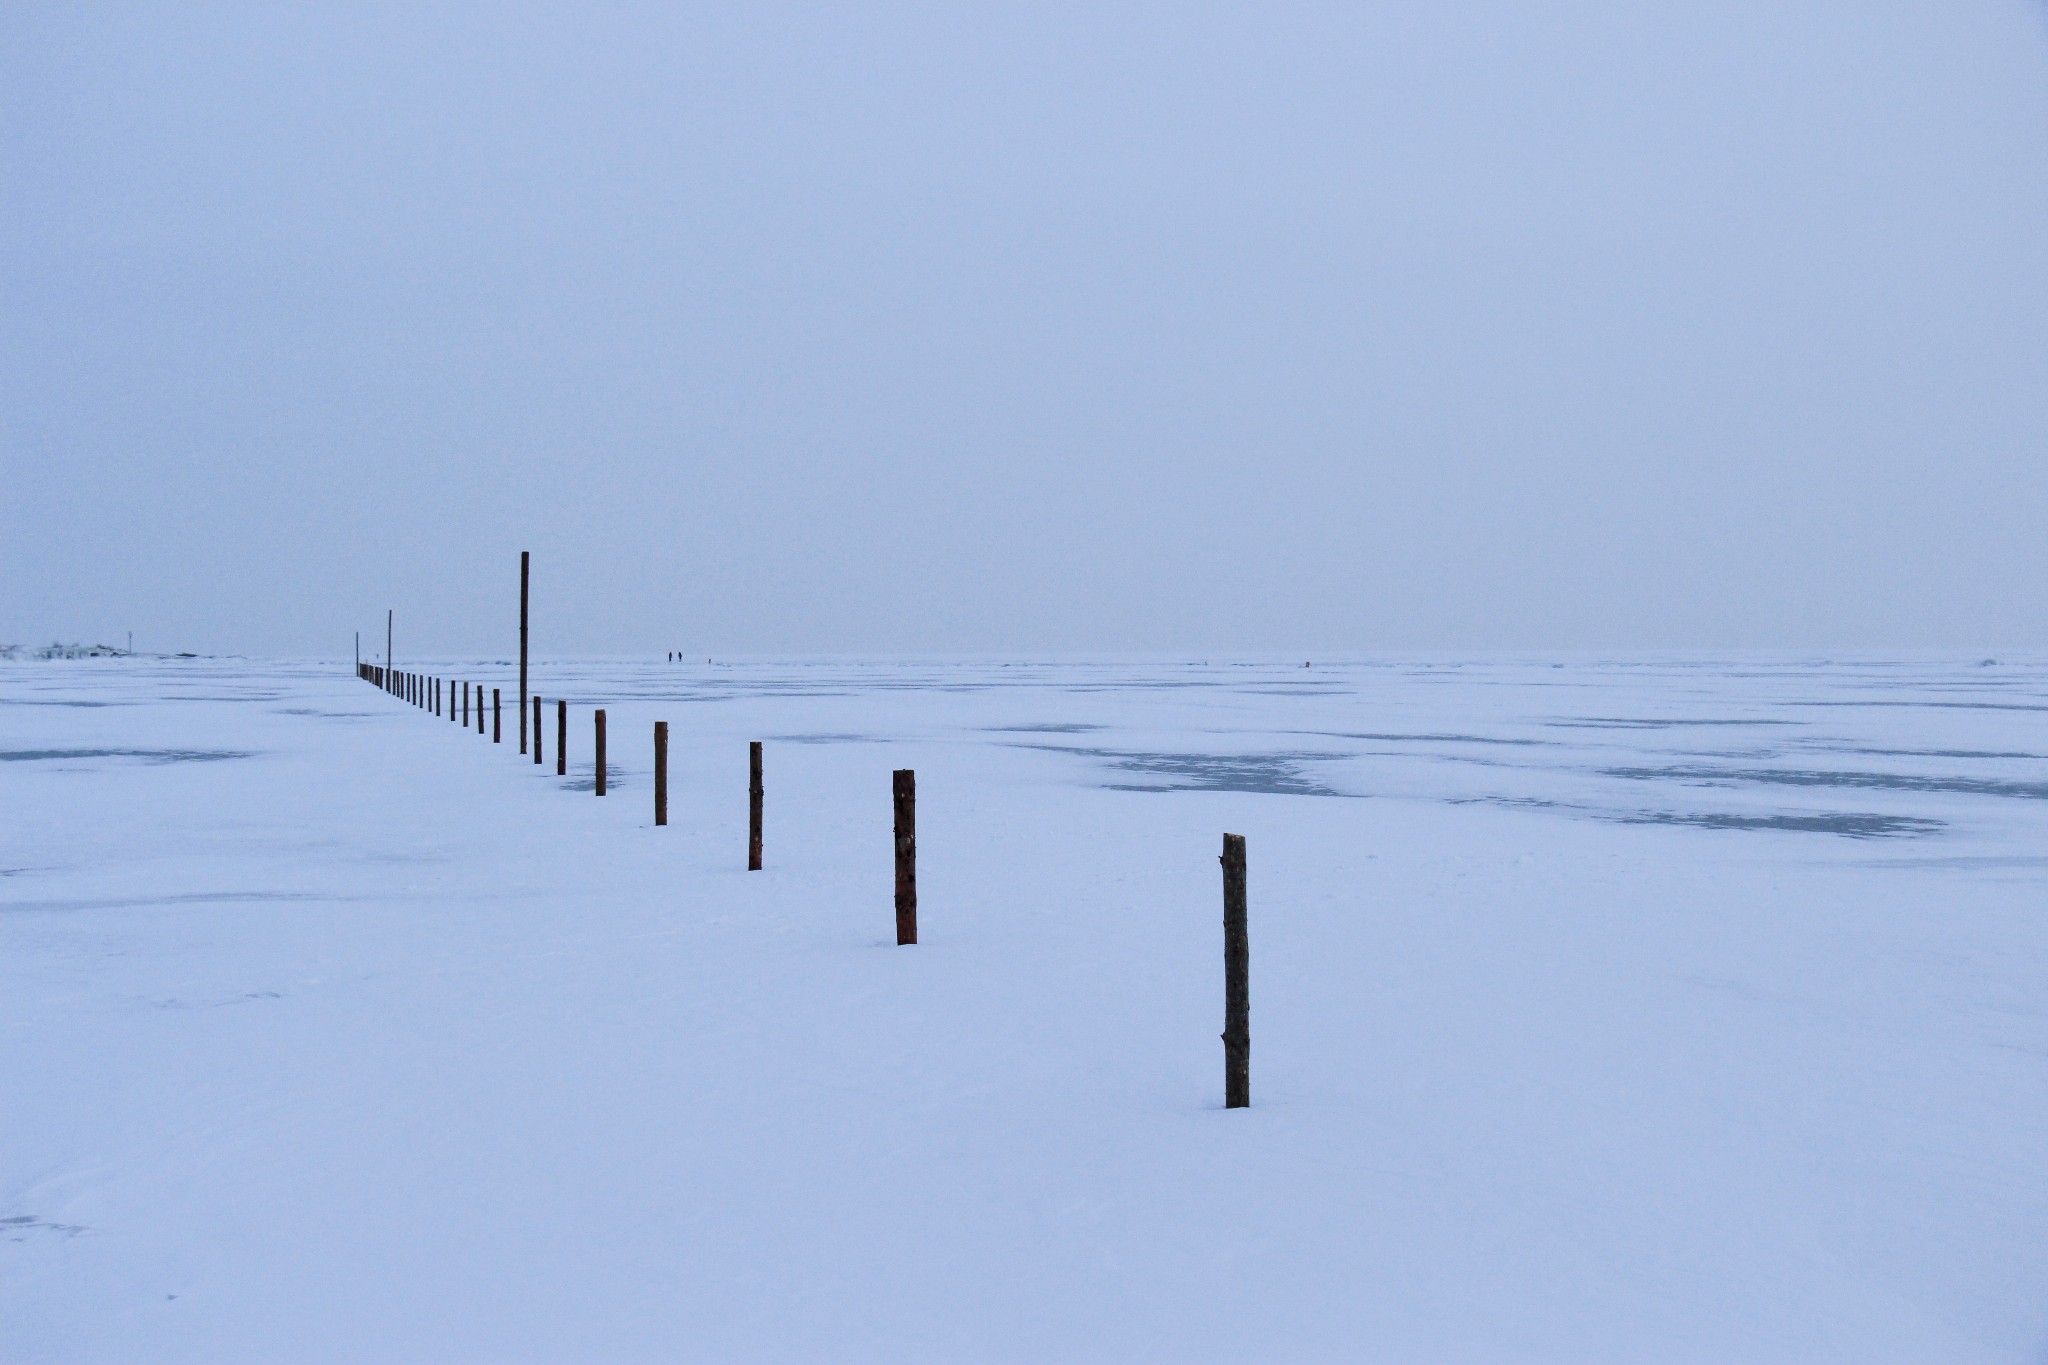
[1659, 1010]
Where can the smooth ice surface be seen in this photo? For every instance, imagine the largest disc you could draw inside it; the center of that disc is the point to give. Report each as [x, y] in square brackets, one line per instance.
[1667, 1010]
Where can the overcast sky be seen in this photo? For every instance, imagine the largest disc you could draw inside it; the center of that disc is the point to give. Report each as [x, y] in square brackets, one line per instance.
[967, 326]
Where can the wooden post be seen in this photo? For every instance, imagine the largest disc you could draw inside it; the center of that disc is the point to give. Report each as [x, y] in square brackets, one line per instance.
[754, 806]
[465, 706]
[561, 739]
[661, 772]
[905, 790]
[598, 715]
[497, 718]
[523, 565]
[1237, 995]
[536, 728]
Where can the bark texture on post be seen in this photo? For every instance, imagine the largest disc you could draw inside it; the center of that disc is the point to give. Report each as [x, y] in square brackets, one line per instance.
[599, 715]
[754, 799]
[905, 790]
[661, 772]
[561, 739]
[497, 716]
[1237, 991]
[536, 728]
[523, 566]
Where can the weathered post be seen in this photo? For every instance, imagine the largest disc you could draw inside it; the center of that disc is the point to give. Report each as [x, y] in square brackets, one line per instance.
[497, 718]
[561, 739]
[905, 790]
[523, 565]
[465, 706]
[754, 806]
[1237, 996]
[598, 715]
[536, 728]
[661, 772]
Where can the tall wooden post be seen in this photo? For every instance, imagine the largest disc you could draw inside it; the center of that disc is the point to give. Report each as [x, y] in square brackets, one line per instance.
[524, 560]
[561, 739]
[479, 708]
[905, 790]
[598, 715]
[497, 718]
[465, 706]
[1237, 991]
[661, 772]
[536, 728]
[754, 806]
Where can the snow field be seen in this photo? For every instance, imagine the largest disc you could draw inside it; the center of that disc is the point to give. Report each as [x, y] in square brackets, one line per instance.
[380, 1043]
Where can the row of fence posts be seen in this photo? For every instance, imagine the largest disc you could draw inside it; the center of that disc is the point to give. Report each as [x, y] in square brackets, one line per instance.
[433, 693]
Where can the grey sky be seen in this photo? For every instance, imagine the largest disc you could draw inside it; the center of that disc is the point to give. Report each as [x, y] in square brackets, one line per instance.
[1098, 326]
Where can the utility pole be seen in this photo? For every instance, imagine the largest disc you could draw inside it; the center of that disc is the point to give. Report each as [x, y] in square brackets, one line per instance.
[387, 641]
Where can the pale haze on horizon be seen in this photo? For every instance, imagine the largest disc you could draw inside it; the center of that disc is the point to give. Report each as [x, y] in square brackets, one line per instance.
[1090, 327]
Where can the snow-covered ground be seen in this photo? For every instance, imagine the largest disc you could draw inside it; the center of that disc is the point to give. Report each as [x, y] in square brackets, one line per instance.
[1660, 1011]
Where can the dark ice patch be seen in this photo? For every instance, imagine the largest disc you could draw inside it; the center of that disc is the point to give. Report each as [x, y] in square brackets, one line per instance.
[1849, 826]
[588, 783]
[1795, 777]
[1631, 723]
[1042, 729]
[1424, 739]
[147, 755]
[21, 1227]
[1270, 774]
[1931, 753]
[189, 898]
[34, 701]
[1934, 705]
